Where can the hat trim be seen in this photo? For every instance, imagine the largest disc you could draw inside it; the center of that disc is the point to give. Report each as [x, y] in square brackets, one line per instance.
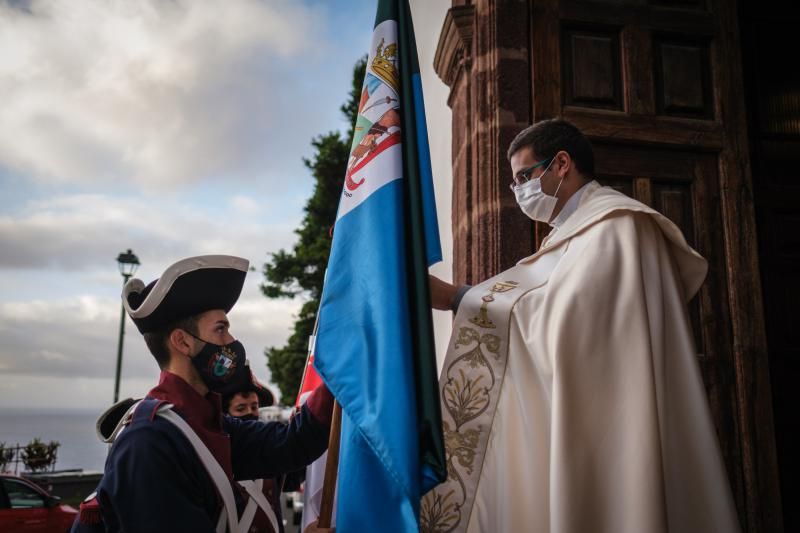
[165, 282]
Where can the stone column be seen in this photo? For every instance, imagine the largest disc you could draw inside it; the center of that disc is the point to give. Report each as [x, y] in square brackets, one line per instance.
[483, 56]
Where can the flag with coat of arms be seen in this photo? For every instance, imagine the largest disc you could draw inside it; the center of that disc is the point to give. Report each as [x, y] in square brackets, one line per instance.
[374, 343]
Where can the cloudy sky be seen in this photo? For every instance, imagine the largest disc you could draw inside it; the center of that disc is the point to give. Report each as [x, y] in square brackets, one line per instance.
[173, 128]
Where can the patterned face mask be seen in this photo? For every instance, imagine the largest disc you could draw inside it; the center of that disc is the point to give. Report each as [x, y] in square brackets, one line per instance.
[223, 368]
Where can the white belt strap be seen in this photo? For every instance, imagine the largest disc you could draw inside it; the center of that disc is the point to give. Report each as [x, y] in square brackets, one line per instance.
[222, 523]
[216, 472]
[247, 516]
[257, 499]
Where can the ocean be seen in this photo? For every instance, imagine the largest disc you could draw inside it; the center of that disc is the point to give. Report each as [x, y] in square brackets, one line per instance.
[74, 429]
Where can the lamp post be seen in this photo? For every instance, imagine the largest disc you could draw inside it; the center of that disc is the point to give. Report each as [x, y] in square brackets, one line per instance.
[128, 263]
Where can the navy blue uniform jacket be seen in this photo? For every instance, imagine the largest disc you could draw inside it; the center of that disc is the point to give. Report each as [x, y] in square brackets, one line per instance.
[154, 481]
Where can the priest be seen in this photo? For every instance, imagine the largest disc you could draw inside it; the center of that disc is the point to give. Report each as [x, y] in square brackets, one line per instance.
[571, 396]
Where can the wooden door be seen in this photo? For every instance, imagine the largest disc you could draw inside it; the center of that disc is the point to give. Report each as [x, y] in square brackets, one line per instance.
[684, 186]
[657, 86]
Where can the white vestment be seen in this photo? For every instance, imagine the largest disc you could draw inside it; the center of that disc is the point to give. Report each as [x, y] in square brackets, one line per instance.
[601, 422]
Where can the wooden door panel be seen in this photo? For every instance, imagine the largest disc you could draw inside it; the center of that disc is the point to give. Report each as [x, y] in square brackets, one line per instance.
[683, 76]
[674, 200]
[623, 184]
[591, 67]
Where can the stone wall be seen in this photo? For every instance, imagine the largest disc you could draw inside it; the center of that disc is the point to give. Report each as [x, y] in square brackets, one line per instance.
[483, 56]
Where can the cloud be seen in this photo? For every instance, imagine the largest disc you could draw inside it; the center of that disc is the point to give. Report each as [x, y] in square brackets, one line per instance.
[244, 204]
[84, 231]
[174, 128]
[57, 394]
[81, 330]
[155, 93]
[76, 337]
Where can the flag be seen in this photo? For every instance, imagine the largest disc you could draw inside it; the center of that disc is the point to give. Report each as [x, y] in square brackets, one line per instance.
[374, 344]
[312, 493]
[310, 381]
[315, 472]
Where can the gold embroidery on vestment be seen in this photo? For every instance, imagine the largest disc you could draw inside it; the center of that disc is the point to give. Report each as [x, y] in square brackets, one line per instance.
[467, 392]
[482, 319]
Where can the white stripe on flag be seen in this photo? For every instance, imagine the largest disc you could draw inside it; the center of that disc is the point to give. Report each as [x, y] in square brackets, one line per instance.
[312, 493]
[385, 167]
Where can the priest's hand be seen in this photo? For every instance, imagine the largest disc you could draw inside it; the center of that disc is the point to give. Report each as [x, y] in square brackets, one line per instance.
[442, 293]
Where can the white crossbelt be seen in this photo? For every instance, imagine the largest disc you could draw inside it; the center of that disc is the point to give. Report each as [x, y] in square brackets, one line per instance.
[216, 472]
[228, 520]
[257, 499]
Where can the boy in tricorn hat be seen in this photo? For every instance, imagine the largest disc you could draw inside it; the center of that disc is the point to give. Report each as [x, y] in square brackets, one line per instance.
[173, 464]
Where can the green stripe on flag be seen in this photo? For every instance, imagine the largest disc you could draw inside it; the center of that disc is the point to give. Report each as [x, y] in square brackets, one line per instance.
[387, 10]
[428, 407]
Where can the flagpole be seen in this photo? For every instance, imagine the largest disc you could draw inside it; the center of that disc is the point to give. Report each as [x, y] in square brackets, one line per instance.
[334, 438]
[331, 468]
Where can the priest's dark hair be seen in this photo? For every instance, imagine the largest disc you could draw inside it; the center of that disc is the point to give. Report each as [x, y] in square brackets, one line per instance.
[547, 137]
[157, 340]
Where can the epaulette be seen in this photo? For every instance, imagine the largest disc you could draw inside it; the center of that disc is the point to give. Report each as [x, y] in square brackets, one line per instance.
[147, 410]
[109, 421]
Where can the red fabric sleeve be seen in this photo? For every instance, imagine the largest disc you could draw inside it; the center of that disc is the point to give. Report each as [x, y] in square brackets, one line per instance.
[320, 403]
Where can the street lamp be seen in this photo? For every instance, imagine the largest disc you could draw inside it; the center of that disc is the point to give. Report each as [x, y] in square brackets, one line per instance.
[128, 263]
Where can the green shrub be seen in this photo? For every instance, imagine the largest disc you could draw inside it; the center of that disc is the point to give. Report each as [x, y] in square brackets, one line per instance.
[38, 456]
[6, 455]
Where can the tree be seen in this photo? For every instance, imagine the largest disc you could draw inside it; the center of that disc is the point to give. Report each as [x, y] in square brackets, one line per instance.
[300, 272]
[38, 456]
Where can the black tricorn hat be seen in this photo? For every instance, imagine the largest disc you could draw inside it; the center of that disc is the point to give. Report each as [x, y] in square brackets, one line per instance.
[265, 397]
[189, 287]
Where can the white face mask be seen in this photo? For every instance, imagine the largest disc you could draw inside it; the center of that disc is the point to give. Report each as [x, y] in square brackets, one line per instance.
[533, 201]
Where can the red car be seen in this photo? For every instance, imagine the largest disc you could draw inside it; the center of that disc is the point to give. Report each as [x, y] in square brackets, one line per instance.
[25, 507]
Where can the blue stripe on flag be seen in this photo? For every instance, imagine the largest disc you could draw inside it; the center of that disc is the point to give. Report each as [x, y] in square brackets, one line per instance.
[382, 505]
[364, 354]
[432, 243]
